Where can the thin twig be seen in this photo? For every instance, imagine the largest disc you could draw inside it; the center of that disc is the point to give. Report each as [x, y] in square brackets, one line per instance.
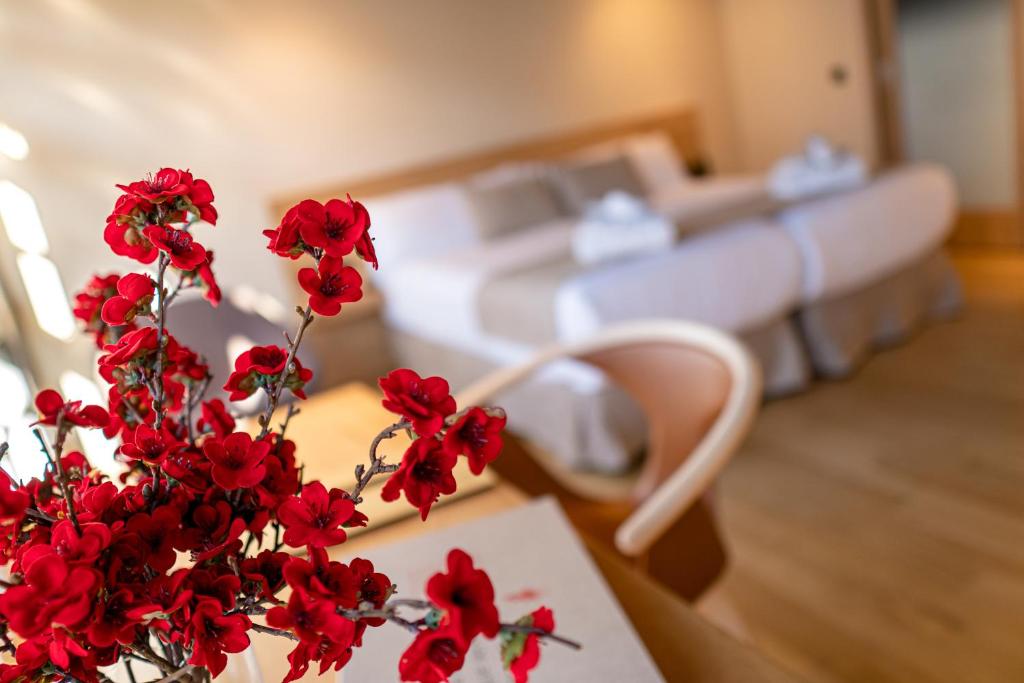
[274, 393]
[58, 466]
[377, 466]
[259, 628]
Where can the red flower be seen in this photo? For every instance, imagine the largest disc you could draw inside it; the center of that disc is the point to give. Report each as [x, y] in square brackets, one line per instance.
[13, 501]
[126, 240]
[166, 184]
[51, 592]
[467, 595]
[200, 195]
[364, 247]
[334, 227]
[266, 571]
[261, 365]
[311, 617]
[330, 285]
[324, 578]
[425, 473]
[130, 347]
[52, 408]
[216, 418]
[116, 619]
[149, 445]
[135, 291]
[237, 460]
[433, 656]
[89, 302]
[476, 435]
[204, 275]
[285, 238]
[528, 657]
[185, 253]
[315, 518]
[212, 633]
[74, 548]
[423, 402]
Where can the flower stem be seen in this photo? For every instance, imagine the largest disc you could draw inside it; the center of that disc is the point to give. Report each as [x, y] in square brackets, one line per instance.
[274, 394]
[377, 466]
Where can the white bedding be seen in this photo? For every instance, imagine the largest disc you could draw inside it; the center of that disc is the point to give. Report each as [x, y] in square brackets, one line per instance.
[851, 240]
[736, 278]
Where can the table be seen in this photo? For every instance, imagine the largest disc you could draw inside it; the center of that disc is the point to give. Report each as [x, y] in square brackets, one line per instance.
[684, 645]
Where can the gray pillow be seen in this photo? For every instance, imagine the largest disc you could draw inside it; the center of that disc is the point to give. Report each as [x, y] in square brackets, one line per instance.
[581, 182]
[507, 207]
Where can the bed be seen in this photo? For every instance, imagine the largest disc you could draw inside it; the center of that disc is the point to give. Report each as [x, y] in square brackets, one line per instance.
[810, 286]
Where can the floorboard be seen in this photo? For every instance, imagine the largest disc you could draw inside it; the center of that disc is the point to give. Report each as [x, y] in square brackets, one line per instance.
[877, 523]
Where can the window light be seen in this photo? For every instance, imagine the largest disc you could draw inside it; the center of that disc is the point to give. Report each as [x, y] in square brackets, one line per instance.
[23, 460]
[12, 143]
[15, 395]
[21, 219]
[46, 295]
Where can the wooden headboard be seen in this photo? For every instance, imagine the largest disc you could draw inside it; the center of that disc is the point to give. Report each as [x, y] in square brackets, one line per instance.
[680, 124]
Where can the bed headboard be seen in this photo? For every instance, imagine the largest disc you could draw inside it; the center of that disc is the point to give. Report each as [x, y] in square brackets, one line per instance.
[679, 124]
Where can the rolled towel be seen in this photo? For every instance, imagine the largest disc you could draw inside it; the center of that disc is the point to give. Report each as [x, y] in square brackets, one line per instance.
[618, 226]
[821, 168]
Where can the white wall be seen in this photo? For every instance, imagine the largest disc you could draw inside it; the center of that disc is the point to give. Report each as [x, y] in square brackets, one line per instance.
[264, 96]
[778, 57]
[958, 93]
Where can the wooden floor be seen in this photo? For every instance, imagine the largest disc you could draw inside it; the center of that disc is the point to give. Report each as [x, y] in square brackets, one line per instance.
[877, 523]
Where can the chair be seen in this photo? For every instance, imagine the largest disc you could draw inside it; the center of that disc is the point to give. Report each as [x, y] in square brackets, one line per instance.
[700, 390]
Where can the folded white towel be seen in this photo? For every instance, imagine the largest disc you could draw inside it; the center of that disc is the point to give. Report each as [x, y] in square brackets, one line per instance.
[620, 225]
[821, 168]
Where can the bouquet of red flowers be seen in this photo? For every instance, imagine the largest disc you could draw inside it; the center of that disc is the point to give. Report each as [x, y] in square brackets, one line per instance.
[176, 564]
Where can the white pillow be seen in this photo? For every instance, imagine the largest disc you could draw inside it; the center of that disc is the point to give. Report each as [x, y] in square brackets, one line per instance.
[421, 222]
[656, 161]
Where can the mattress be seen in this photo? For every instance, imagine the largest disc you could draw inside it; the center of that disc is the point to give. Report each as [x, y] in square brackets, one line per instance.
[851, 240]
[512, 295]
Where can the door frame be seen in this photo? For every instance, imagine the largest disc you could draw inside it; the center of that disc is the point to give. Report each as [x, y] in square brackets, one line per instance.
[974, 226]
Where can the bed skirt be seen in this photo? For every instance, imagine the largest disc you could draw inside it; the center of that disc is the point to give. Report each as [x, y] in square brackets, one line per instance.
[595, 427]
[841, 332]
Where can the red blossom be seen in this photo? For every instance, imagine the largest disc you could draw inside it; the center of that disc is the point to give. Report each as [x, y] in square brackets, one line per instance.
[185, 253]
[126, 239]
[89, 304]
[207, 281]
[149, 445]
[260, 365]
[425, 474]
[311, 617]
[425, 402]
[134, 292]
[476, 435]
[166, 184]
[433, 656]
[215, 418]
[237, 460]
[316, 517]
[285, 239]
[335, 227]
[52, 408]
[330, 285]
[467, 595]
[52, 592]
[324, 578]
[13, 501]
[132, 346]
[212, 633]
[542, 618]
